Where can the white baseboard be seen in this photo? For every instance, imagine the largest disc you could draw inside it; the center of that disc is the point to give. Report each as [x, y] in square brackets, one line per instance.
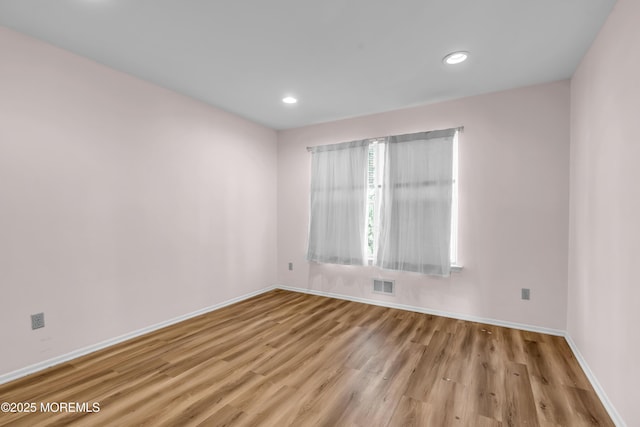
[459, 316]
[104, 344]
[615, 416]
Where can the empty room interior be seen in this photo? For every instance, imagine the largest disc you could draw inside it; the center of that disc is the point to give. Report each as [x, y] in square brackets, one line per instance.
[337, 213]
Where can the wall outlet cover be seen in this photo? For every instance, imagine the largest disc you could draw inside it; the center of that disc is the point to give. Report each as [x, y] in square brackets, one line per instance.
[37, 321]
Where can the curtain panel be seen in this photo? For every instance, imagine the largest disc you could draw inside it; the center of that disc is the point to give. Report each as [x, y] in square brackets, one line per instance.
[338, 203]
[415, 218]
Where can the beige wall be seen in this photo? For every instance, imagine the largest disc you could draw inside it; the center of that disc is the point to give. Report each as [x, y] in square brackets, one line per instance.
[121, 204]
[514, 182]
[604, 289]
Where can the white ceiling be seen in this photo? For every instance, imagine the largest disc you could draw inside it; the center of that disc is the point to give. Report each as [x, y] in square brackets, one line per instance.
[341, 58]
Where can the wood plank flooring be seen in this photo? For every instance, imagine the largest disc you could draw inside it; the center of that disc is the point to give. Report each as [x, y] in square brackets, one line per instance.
[285, 358]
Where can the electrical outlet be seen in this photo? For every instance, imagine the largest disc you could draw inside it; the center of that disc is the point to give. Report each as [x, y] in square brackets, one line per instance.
[290, 266]
[526, 293]
[37, 321]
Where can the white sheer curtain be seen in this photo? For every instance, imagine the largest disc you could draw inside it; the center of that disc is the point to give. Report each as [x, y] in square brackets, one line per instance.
[415, 221]
[338, 203]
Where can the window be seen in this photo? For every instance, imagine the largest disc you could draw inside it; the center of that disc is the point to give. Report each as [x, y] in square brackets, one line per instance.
[390, 201]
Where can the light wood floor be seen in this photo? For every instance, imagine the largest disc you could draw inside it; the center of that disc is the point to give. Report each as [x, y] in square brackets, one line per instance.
[286, 358]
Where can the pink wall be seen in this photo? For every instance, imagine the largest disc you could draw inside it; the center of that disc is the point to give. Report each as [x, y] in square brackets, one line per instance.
[514, 182]
[604, 289]
[122, 204]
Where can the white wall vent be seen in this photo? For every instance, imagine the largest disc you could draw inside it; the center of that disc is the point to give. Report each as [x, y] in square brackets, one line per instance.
[387, 287]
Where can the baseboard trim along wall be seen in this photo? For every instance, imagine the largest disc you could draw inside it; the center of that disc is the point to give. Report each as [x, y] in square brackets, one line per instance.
[107, 343]
[14, 375]
[615, 416]
[459, 316]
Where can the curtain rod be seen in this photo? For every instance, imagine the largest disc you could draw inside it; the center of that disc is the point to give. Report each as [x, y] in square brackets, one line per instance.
[459, 129]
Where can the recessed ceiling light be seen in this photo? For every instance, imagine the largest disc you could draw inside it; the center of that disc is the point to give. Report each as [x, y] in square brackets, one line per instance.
[289, 100]
[455, 57]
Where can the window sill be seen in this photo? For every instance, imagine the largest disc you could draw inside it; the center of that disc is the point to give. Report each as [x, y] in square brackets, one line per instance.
[455, 268]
